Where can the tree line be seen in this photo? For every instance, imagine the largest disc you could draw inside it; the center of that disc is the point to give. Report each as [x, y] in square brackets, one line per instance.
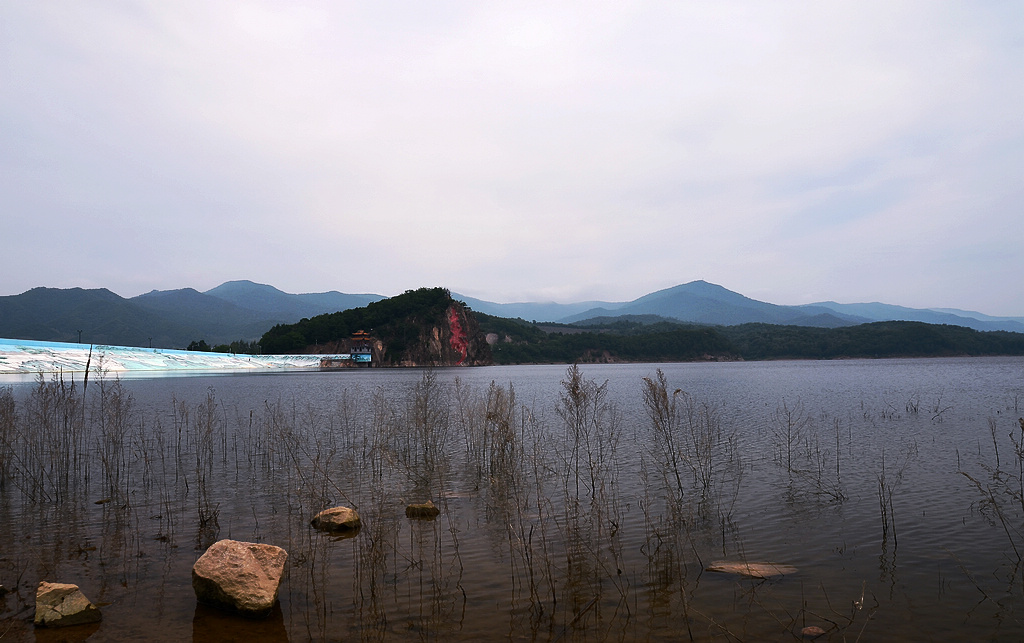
[238, 347]
[522, 342]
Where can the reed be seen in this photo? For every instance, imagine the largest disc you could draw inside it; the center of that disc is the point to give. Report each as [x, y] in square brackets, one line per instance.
[202, 433]
[591, 436]
[47, 450]
[789, 425]
[1002, 490]
[8, 434]
[888, 482]
[696, 455]
[115, 415]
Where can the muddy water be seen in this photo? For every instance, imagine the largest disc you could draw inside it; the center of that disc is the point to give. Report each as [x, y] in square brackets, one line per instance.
[879, 481]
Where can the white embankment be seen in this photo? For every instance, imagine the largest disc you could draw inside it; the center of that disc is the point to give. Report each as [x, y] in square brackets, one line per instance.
[27, 356]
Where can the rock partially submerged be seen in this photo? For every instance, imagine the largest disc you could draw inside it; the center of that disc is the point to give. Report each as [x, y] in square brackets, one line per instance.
[811, 632]
[426, 510]
[239, 577]
[62, 604]
[336, 519]
[751, 570]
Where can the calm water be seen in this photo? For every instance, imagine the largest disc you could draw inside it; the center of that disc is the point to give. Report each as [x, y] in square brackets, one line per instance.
[850, 471]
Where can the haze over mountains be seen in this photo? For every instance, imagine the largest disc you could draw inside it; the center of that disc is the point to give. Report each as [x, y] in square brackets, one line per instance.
[245, 310]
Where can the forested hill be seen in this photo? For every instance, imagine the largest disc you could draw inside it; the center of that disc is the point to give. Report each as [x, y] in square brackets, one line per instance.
[520, 342]
[877, 339]
[424, 327]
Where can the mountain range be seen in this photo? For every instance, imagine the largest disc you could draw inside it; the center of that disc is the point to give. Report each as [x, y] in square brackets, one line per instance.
[245, 310]
[700, 302]
[163, 318]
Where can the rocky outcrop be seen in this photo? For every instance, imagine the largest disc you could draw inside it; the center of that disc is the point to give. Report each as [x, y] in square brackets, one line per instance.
[239, 577]
[426, 510]
[336, 520]
[62, 604]
[453, 338]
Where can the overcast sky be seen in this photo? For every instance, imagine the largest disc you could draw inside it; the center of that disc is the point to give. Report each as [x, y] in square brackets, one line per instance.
[793, 152]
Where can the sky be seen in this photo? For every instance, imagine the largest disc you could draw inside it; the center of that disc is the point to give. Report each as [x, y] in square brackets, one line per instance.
[518, 151]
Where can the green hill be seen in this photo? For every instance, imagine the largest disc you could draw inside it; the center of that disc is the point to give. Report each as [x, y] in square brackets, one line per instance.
[424, 327]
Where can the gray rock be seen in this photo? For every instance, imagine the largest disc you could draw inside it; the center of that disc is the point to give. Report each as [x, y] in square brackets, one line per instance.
[239, 577]
[336, 519]
[62, 604]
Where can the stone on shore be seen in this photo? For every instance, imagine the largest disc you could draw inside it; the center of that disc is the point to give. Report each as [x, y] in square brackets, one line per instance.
[425, 510]
[751, 570]
[62, 604]
[239, 577]
[336, 519]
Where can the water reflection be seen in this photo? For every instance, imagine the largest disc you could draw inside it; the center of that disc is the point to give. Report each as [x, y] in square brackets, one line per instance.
[72, 634]
[210, 625]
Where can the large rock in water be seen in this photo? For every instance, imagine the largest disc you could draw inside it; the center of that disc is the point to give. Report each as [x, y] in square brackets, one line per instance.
[61, 604]
[336, 519]
[240, 577]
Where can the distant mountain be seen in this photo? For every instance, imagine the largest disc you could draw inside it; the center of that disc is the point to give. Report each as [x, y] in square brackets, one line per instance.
[162, 318]
[218, 319]
[269, 300]
[52, 314]
[979, 316]
[543, 311]
[888, 312]
[245, 310]
[700, 302]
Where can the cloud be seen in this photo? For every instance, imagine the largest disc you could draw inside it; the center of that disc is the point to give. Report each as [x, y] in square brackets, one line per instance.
[520, 150]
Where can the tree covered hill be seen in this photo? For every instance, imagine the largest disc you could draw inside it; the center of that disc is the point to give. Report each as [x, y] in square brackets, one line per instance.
[424, 327]
[877, 339]
[622, 340]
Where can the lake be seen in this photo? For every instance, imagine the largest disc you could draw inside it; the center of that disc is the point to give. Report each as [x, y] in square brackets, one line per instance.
[582, 505]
